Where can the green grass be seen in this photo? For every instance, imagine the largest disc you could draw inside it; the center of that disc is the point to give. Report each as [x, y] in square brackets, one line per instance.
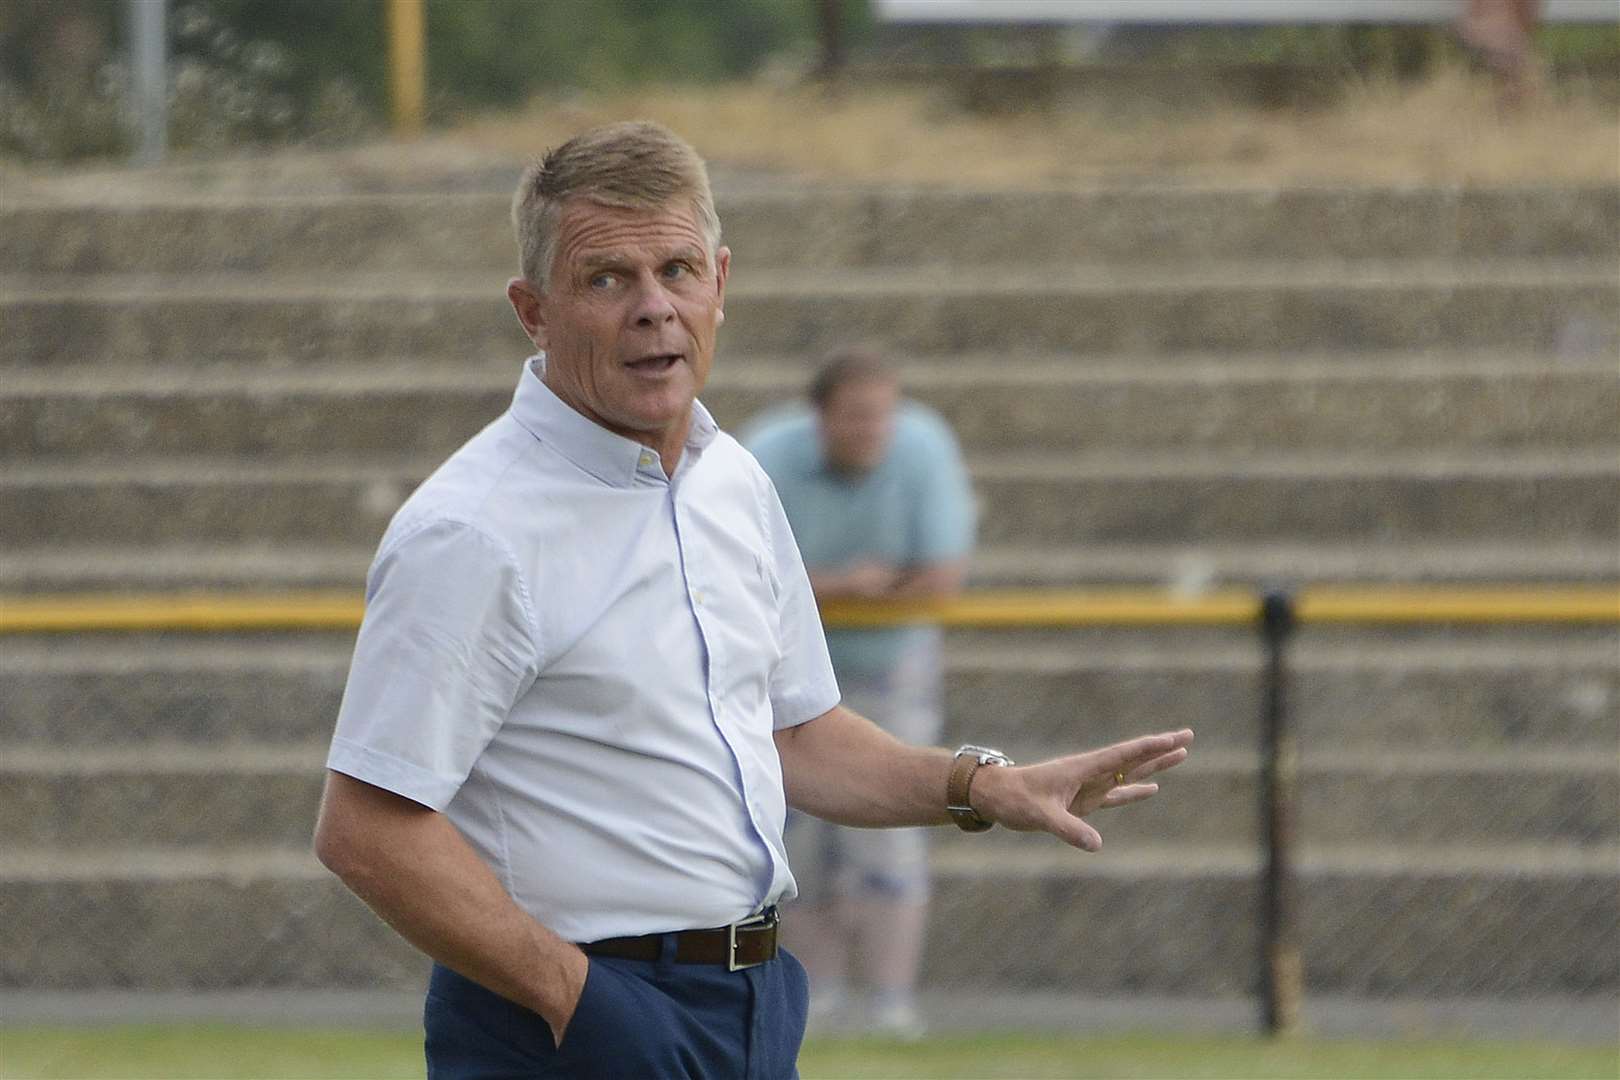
[193, 1052]
[1148, 1056]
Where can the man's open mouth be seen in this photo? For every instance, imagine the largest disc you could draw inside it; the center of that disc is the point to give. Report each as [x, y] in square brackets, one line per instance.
[651, 365]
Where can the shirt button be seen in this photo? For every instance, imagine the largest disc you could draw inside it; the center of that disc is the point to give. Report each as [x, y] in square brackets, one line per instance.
[697, 596]
[646, 458]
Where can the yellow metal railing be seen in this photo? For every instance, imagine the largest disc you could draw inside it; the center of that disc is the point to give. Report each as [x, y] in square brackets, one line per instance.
[1039, 609]
[181, 611]
[407, 64]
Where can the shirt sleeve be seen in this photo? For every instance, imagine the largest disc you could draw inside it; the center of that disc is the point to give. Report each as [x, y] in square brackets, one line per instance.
[444, 651]
[943, 516]
[803, 685]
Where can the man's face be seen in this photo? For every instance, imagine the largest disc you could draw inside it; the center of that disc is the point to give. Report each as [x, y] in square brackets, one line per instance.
[629, 316]
[857, 422]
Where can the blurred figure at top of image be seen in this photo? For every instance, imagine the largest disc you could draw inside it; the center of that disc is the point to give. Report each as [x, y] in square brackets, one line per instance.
[1502, 34]
[879, 501]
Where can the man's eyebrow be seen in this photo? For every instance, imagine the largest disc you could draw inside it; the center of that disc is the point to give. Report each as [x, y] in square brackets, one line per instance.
[613, 257]
[597, 260]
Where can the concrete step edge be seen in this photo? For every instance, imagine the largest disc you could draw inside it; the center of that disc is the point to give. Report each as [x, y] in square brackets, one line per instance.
[787, 375]
[118, 655]
[970, 857]
[1438, 657]
[288, 564]
[962, 857]
[1343, 276]
[1177, 464]
[186, 759]
[986, 466]
[174, 186]
[47, 194]
[1194, 568]
[1182, 567]
[329, 654]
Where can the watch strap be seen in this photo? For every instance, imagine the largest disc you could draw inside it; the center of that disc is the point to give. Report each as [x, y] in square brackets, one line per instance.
[968, 761]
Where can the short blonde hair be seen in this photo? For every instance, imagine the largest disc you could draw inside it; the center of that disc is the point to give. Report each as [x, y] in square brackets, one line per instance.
[638, 165]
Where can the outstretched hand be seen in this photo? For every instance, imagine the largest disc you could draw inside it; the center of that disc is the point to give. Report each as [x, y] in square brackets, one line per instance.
[1055, 796]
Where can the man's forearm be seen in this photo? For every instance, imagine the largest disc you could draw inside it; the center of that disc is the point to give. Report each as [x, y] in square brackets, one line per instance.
[416, 871]
[929, 581]
[872, 580]
[842, 767]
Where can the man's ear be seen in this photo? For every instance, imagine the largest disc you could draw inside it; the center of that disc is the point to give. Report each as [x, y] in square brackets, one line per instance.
[722, 270]
[525, 300]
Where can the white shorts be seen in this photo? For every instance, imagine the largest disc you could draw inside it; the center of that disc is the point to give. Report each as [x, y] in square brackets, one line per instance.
[831, 861]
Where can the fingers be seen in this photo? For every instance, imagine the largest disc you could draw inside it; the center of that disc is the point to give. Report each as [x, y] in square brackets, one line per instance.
[1128, 755]
[1124, 796]
[1076, 833]
[1133, 789]
[1113, 776]
[1156, 765]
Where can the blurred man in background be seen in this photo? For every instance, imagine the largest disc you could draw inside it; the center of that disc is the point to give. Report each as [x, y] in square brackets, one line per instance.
[1502, 34]
[881, 507]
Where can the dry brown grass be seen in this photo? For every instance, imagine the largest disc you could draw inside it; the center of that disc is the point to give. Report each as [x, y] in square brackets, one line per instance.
[1445, 131]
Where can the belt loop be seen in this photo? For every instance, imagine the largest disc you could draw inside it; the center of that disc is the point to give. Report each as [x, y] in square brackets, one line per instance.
[667, 945]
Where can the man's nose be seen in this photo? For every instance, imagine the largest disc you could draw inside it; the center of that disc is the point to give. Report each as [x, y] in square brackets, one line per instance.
[653, 306]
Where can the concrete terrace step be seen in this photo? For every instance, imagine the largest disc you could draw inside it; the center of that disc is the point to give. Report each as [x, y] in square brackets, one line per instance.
[177, 795]
[75, 568]
[789, 373]
[903, 281]
[1518, 920]
[1362, 692]
[1565, 306]
[1365, 692]
[1370, 925]
[1056, 498]
[83, 567]
[1267, 408]
[1192, 567]
[829, 228]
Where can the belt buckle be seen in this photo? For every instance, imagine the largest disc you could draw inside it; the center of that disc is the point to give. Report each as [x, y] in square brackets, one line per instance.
[764, 920]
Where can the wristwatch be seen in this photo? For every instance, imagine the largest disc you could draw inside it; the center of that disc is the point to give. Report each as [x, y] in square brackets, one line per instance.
[968, 760]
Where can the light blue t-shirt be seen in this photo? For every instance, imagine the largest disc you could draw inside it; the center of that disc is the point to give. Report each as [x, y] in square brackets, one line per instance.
[915, 507]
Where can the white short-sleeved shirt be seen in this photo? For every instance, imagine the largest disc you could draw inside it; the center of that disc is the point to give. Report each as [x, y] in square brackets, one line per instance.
[581, 663]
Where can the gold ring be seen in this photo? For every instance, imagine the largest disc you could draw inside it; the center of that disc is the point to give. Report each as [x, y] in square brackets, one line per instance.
[1119, 778]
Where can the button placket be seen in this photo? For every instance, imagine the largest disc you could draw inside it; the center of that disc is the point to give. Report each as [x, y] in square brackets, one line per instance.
[694, 569]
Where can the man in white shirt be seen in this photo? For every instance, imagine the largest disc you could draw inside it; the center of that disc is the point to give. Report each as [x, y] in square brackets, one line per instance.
[591, 677]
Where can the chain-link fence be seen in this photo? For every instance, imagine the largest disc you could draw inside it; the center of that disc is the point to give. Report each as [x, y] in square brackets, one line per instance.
[1454, 824]
[1452, 821]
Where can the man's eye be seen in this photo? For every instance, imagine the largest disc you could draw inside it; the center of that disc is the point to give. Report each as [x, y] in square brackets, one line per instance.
[601, 281]
[675, 271]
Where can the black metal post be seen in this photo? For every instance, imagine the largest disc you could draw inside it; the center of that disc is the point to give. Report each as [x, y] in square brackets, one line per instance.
[1283, 974]
[830, 24]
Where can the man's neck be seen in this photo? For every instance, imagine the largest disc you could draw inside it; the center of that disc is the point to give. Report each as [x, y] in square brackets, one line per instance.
[669, 444]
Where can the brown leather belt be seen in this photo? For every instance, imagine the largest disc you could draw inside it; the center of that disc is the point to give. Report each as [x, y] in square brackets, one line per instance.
[740, 945]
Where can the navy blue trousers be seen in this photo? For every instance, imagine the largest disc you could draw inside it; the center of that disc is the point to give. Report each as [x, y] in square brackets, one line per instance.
[657, 1020]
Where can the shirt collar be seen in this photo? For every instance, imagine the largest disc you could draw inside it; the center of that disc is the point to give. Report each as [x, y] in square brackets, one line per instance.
[610, 458]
